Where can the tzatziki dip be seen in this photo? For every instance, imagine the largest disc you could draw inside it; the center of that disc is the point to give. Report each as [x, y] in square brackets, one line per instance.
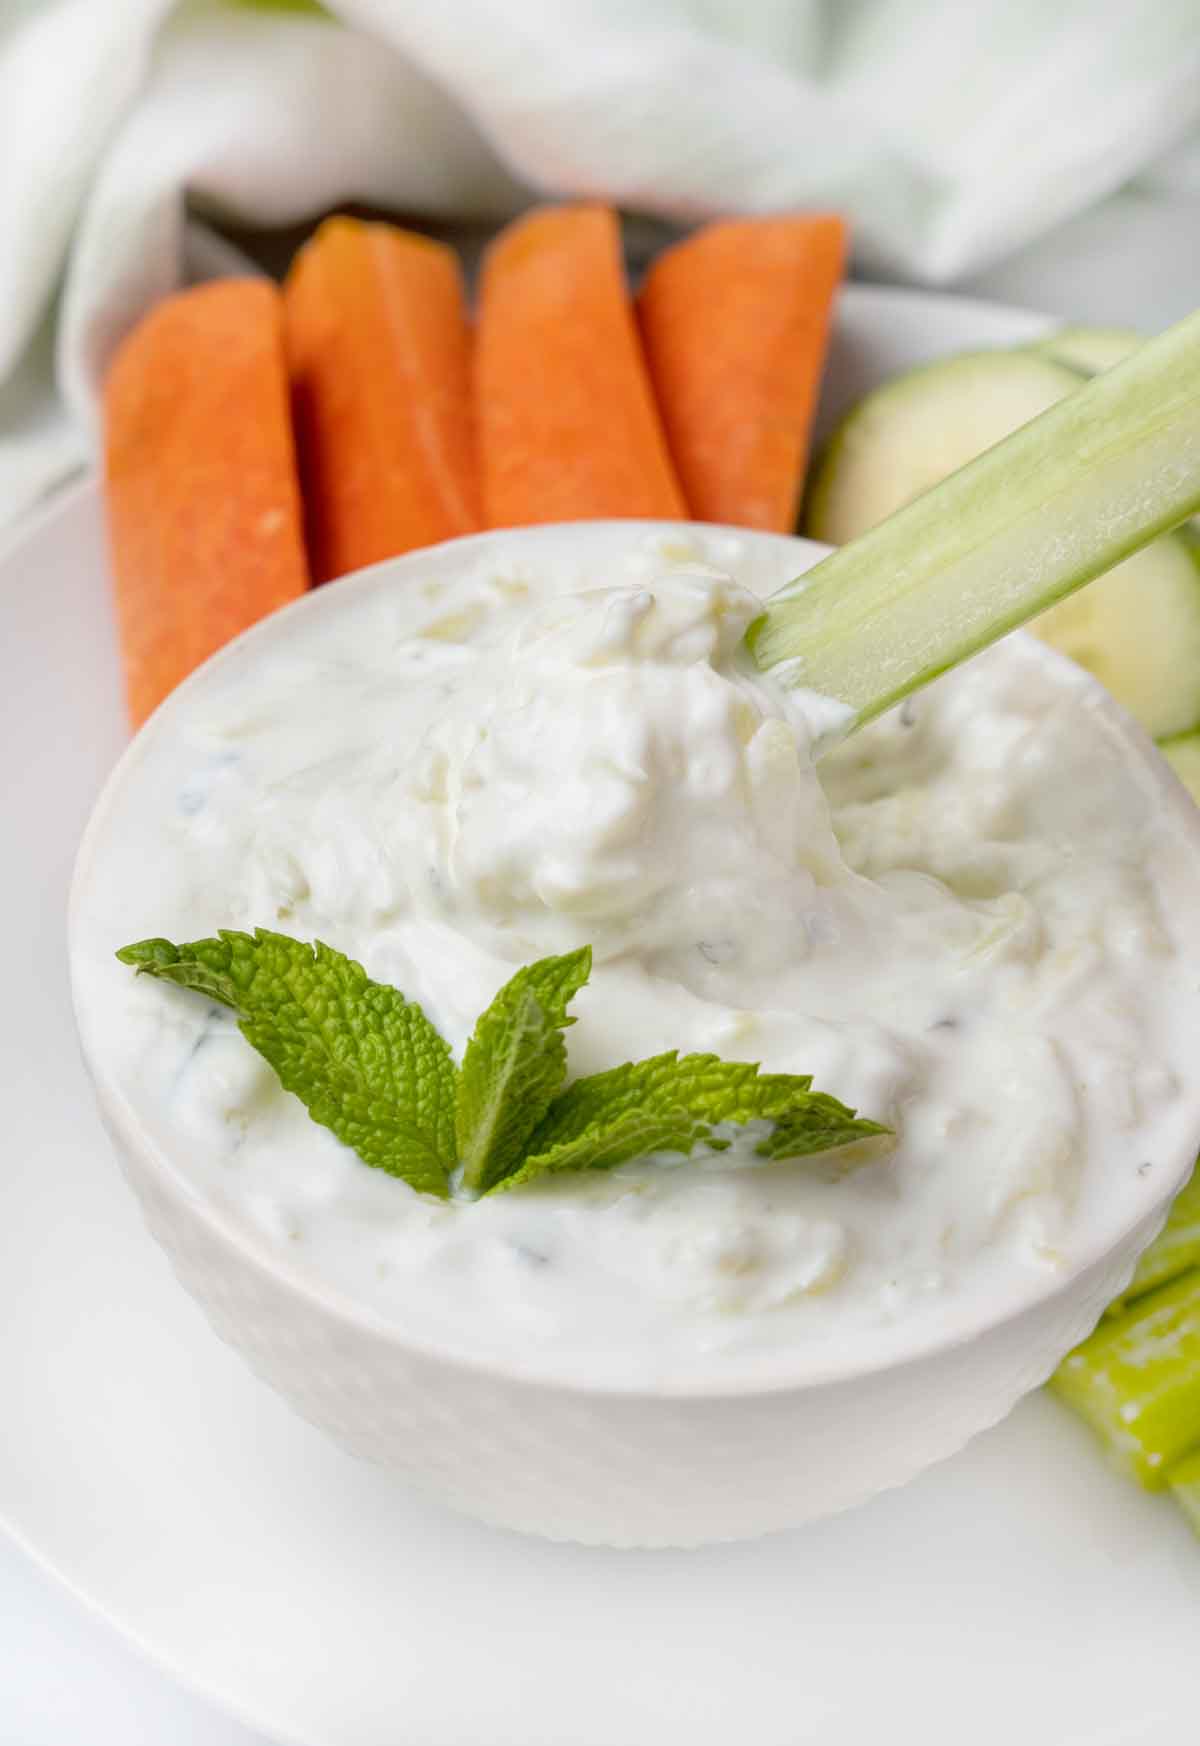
[960, 922]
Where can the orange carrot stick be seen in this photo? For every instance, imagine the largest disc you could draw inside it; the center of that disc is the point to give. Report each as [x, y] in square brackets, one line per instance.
[568, 428]
[379, 354]
[735, 320]
[203, 503]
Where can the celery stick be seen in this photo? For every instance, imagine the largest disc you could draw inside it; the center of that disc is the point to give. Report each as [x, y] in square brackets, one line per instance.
[1173, 1251]
[1057, 503]
[1184, 1481]
[1136, 1380]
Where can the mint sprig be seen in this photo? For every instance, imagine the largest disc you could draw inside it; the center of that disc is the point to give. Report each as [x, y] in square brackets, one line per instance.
[369, 1065]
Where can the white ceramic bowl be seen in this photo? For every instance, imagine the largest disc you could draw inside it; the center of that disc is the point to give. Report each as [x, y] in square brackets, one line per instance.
[586, 1461]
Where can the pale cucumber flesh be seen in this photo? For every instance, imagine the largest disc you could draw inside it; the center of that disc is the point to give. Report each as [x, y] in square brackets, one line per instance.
[914, 430]
[1062, 500]
[1137, 629]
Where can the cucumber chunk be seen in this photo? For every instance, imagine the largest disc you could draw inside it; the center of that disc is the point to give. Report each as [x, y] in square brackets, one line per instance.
[1175, 1250]
[1136, 1381]
[1137, 628]
[913, 431]
[1089, 349]
[1183, 754]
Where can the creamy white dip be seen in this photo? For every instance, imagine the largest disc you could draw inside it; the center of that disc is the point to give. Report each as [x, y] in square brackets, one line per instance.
[960, 922]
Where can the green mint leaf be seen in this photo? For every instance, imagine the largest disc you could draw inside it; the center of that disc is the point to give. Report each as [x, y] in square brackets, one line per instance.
[609, 1143]
[662, 1104]
[514, 1063]
[670, 1103]
[365, 1062]
[203, 966]
[817, 1124]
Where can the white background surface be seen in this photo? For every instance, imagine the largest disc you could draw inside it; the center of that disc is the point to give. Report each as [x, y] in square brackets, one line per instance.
[66, 1677]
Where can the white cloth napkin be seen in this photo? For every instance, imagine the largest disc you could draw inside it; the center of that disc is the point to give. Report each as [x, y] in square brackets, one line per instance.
[955, 133]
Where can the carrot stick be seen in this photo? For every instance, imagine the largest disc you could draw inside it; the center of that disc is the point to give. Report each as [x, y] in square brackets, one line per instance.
[203, 503]
[379, 354]
[568, 428]
[735, 320]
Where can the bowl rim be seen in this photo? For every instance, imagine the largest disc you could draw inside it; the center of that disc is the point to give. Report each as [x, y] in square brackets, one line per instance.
[126, 1123]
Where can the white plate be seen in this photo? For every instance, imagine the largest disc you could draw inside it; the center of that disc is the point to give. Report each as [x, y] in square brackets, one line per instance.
[1019, 1593]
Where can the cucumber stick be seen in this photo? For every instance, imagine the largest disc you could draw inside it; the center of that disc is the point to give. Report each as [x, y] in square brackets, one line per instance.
[1136, 1380]
[1137, 629]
